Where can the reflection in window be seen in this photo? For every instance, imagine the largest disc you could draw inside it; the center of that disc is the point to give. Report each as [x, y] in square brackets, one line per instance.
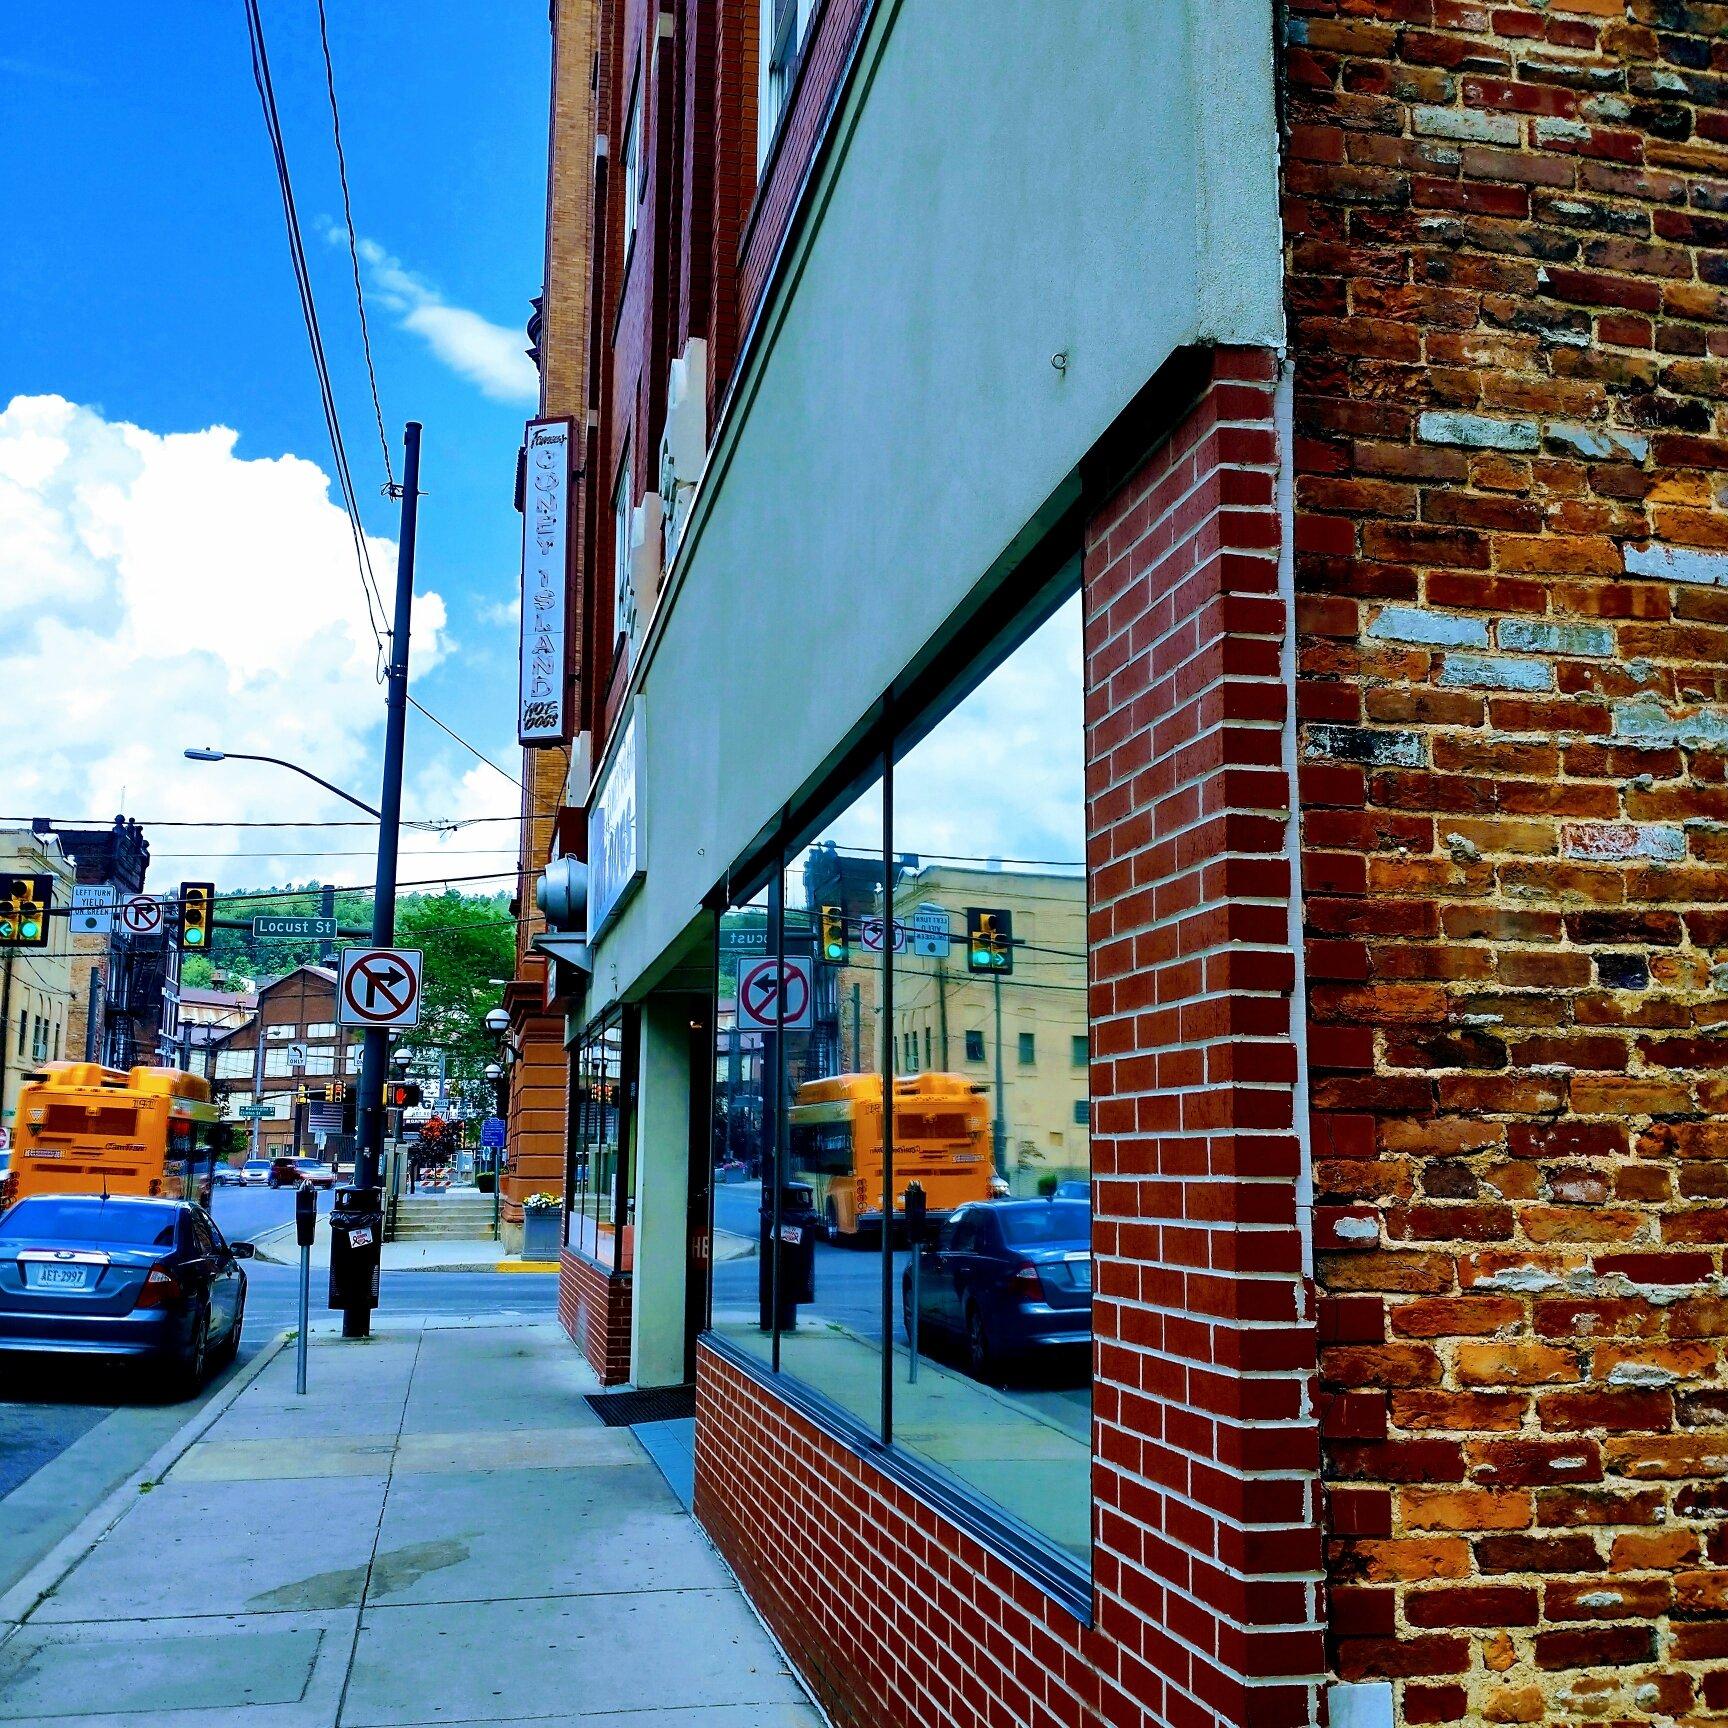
[600, 1175]
[1004, 1296]
[740, 1294]
[843, 981]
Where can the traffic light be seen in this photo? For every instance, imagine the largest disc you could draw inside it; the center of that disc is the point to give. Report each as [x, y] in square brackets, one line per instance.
[338, 1091]
[834, 946]
[402, 1094]
[24, 903]
[989, 940]
[195, 911]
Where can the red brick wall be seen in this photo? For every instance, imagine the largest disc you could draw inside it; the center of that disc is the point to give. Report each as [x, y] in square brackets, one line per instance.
[1206, 1544]
[1508, 255]
[825, 55]
[594, 1308]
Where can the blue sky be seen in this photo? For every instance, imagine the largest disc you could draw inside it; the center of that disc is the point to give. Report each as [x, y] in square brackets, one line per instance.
[144, 280]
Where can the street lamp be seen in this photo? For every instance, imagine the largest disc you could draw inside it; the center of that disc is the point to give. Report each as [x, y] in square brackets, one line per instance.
[208, 755]
[498, 1021]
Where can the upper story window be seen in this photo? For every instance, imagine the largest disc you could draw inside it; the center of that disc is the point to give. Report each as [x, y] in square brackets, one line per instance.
[623, 597]
[632, 171]
[785, 28]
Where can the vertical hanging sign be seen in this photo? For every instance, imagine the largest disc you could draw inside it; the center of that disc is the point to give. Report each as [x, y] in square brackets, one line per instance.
[545, 520]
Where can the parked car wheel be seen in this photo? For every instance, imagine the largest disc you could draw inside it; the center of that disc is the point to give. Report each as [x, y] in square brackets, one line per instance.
[980, 1358]
[230, 1347]
[195, 1359]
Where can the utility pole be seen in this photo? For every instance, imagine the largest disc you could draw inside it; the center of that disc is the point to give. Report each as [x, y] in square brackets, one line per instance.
[999, 1127]
[327, 909]
[93, 1018]
[5, 1031]
[375, 1057]
[257, 1074]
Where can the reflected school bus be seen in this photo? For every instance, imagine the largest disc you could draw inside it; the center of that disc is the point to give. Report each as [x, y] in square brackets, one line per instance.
[941, 1139]
[85, 1129]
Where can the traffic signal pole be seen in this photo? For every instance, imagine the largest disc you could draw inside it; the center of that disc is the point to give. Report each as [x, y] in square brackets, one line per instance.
[375, 1056]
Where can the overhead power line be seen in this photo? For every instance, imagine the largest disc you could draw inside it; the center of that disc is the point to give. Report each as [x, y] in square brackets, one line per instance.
[375, 610]
[472, 750]
[354, 248]
[421, 825]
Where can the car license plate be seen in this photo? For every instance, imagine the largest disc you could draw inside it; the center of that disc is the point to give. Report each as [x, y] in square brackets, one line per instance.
[791, 1233]
[361, 1238]
[60, 1277]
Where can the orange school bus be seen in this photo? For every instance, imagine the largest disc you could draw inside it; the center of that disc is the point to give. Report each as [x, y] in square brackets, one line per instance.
[85, 1129]
[941, 1139]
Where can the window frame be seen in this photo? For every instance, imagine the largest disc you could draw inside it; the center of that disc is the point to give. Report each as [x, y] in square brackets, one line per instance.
[630, 170]
[952, 669]
[623, 509]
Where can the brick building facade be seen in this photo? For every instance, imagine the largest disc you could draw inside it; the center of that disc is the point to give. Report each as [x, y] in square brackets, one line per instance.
[1508, 292]
[1397, 524]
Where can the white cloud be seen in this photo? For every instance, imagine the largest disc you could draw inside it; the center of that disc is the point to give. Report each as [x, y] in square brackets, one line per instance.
[488, 355]
[502, 612]
[161, 591]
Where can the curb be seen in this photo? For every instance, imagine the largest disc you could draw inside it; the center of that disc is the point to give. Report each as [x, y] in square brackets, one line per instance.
[525, 1266]
[272, 1238]
[22, 1600]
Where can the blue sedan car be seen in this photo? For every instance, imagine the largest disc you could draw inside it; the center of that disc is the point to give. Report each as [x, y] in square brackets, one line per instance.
[121, 1277]
[1009, 1280]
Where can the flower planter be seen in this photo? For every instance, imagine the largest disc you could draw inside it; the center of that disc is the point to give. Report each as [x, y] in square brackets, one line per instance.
[540, 1234]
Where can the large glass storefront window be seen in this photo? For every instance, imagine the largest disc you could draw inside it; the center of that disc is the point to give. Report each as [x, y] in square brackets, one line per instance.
[903, 1008]
[600, 1178]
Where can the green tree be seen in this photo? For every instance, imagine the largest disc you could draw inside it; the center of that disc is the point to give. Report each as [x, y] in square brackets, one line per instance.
[468, 941]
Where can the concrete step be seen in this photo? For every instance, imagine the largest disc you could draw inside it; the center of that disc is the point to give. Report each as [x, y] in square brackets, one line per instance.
[442, 1236]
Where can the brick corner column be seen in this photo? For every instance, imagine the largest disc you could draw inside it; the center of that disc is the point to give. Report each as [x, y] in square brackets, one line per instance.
[1207, 1543]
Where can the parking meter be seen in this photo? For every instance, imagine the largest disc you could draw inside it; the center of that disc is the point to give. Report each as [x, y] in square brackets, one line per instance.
[305, 1214]
[916, 1223]
[305, 1224]
[915, 1213]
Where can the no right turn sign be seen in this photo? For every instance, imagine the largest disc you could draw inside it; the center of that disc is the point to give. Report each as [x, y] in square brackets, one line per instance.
[379, 987]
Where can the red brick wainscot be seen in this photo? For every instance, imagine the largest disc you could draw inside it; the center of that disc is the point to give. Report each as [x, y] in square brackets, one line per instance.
[594, 1308]
[1205, 1593]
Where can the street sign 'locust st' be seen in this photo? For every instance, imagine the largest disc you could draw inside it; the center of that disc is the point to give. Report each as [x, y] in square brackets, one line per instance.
[276, 925]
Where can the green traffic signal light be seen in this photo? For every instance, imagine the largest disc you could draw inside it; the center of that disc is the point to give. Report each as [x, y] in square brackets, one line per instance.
[30, 929]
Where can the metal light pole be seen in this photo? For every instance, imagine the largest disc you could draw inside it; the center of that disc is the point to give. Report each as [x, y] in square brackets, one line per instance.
[209, 755]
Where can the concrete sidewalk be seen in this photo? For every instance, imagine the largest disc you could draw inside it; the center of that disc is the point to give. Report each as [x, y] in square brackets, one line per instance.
[481, 1254]
[441, 1531]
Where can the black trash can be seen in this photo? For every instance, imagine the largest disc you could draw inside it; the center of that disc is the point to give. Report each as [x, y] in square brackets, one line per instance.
[356, 1247]
[798, 1227]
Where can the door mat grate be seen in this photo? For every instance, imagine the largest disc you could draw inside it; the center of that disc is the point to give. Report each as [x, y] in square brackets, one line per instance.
[660, 1404]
